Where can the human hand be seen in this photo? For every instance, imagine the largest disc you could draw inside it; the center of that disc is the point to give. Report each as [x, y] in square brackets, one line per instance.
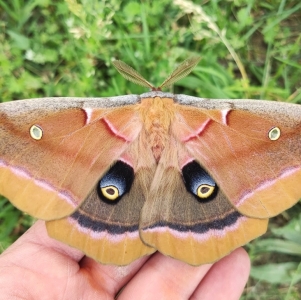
[39, 267]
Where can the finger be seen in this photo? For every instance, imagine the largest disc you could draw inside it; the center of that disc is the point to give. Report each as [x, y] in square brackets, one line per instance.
[226, 279]
[164, 278]
[36, 260]
[36, 243]
[35, 249]
[112, 278]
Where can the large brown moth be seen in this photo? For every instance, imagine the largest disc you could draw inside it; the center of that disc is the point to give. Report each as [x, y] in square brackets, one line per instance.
[123, 177]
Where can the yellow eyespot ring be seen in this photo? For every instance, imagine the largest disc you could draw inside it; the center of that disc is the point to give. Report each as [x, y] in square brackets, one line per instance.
[205, 190]
[36, 132]
[274, 134]
[110, 192]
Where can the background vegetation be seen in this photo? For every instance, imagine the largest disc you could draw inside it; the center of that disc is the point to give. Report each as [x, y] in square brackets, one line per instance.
[249, 49]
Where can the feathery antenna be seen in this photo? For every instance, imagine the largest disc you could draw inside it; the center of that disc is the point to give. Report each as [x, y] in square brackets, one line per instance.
[130, 74]
[180, 72]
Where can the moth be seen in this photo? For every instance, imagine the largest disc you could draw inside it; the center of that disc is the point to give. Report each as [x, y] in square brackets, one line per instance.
[122, 177]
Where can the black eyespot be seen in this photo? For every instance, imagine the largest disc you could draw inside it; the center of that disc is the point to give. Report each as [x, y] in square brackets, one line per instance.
[116, 182]
[198, 182]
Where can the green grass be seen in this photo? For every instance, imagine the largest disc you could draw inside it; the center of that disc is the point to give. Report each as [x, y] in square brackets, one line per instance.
[249, 49]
